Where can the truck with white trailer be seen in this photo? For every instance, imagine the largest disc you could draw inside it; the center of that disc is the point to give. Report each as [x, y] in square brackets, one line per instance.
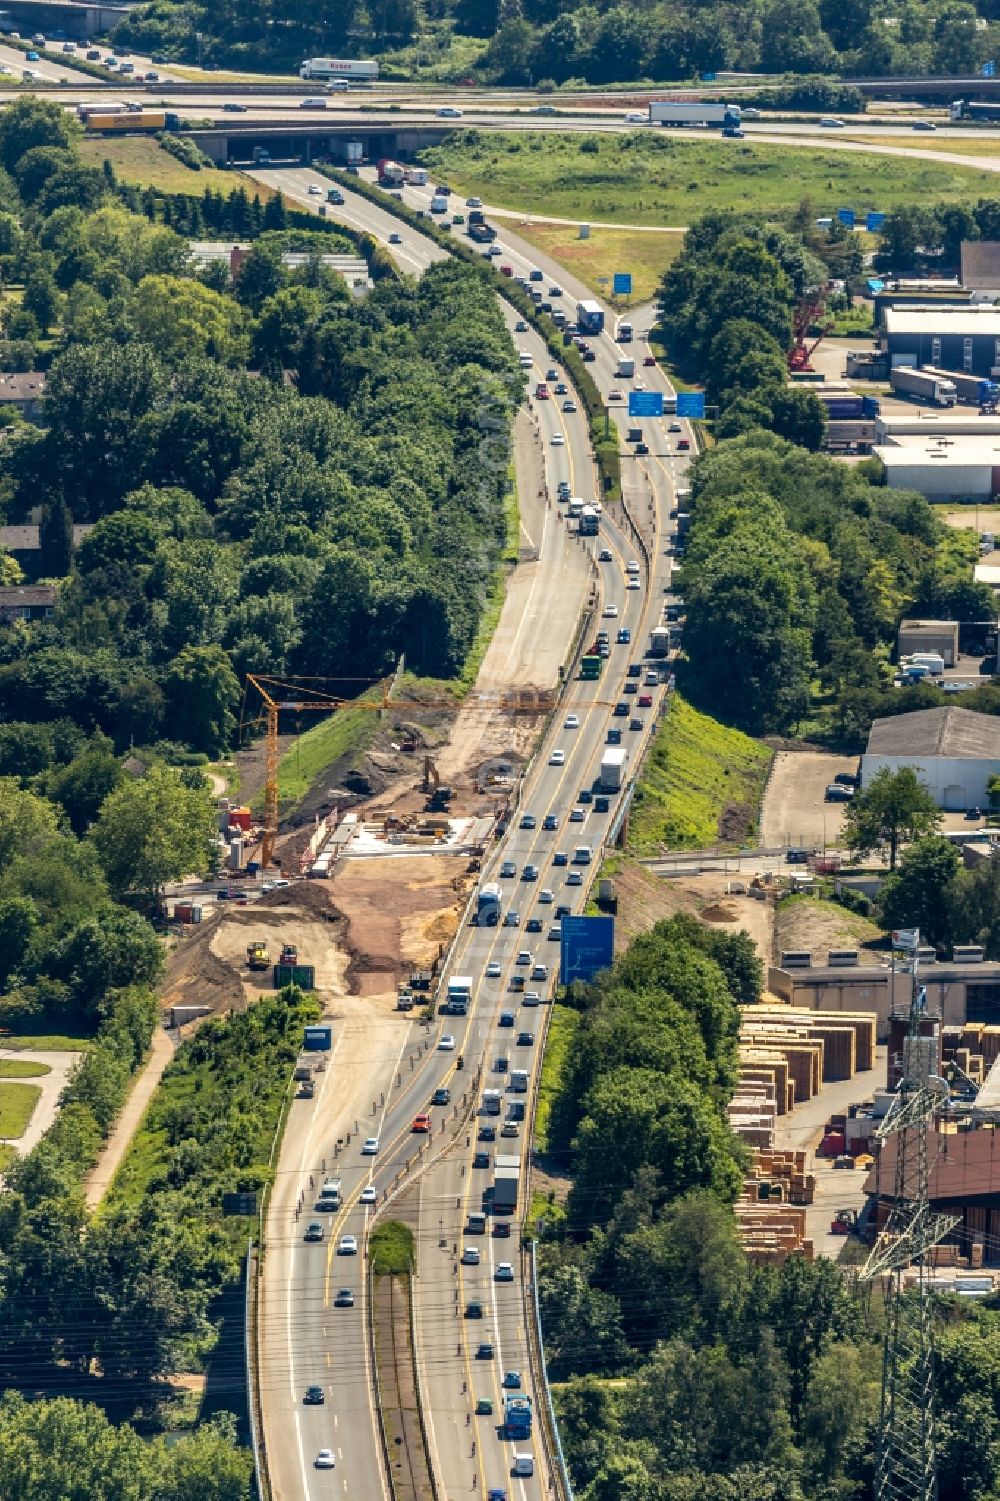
[659, 641]
[925, 385]
[458, 997]
[666, 112]
[506, 1177]
[488, 905]
[612, 771]
[354, 69]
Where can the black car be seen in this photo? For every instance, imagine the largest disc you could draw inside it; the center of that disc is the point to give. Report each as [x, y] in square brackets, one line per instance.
[563, 910]
[635, 670]
[525, 1039]
[585, 795]
[344, 1299]
[314, 1396]
[474, 1310]
[441, 1096]
[631, 687]
[487, 1133]
[560, 858]
[506, 1019]
[641, 450]
[480, 1159]
[614, 737]
[797, 857]
[533, 925]
[484, 1350]
[621, 710]
[848, 779]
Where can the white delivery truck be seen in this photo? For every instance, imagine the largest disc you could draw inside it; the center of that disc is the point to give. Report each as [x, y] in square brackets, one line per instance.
[665, 112]
[613, 768]
[925, 386]
[626, 369]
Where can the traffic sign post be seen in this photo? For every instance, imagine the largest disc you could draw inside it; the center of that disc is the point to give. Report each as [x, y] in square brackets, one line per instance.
[691, 404]
[874, 222]
[645, 403]
[622, 284]
[846, 216]
[586, 946]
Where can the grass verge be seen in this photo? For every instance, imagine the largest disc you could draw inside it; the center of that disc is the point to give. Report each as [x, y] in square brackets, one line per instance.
[17, 1105]
[657, 180]
[558, 1041]
[493, 609]
[22, 1068]
[347, 732]
[7, 1155]
[142, 160]
[390, 1246]
[595, 260]
[46, 1042]
[702, 785]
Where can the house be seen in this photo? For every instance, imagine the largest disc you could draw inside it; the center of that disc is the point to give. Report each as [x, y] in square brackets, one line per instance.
[22, 542]
[980, 268]
[953, 751]
[27, 602]
[25, 391]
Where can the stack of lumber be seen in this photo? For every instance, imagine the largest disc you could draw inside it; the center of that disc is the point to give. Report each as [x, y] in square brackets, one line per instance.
[752, 1111]
[779, 1175]
[974, 1048]
[772, 1232]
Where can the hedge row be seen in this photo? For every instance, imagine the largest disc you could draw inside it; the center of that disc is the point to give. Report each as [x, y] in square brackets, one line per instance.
[606, 450]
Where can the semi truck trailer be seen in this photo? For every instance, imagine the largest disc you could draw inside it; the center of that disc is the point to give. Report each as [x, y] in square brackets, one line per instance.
[664, 112]
[613, 768]
[924, 385]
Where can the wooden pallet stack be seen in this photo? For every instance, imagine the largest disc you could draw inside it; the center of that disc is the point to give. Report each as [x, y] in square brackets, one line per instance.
[773, 1232]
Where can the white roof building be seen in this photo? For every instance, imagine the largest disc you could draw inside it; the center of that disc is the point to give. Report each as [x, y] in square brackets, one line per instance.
[953, 751]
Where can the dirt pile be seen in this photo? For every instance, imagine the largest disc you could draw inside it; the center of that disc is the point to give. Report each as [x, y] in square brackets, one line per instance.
[401, 912]
[719, 912]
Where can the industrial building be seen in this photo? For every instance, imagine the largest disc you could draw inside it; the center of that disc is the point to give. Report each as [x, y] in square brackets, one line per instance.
[964, 989]
[937, 636]
[949, 338]
[953, 751]
[942, 468]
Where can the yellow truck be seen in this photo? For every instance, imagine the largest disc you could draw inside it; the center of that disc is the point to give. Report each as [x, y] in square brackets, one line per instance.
[146, 121]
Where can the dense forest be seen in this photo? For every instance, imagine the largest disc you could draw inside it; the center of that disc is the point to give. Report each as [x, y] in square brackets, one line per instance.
[280, 476]
[687, 1373]
[597, 41]
[798, 568]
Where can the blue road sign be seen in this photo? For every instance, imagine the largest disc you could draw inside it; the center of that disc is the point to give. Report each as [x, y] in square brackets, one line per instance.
[645, 403]
[708, 78]
[586, 945]
[846, 216]
[622, 285]
[989, 69]
[691, 404]
[874, 222]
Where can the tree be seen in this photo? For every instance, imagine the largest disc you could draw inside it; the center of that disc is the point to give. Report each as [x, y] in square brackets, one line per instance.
[106, 952]
[915, 895]
[183, 319]
[27, 822]
[41, 298]
[82, 785]
[30, 121]
[894, 808]
[55, 538]
[153, 831]
[202, 692]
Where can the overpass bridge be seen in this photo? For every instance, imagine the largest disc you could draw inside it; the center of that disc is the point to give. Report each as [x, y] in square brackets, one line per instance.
[285, 141]
[74, 19]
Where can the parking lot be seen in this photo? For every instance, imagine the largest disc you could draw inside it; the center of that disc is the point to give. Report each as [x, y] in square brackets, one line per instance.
[794, 812]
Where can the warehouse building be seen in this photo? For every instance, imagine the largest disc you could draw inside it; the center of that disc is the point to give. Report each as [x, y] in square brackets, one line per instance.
[938, 636]
[942, 468]
[953, 751]
[949, 338]
[961, 990]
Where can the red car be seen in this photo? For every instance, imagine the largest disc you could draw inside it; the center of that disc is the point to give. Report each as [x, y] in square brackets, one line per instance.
[421, 1124]
[649, 360]
[541, 391]
[506, 270]
[683, 445]
[645, 700]
[501, 1228]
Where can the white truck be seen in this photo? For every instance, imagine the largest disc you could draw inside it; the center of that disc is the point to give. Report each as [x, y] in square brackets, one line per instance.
[488, 905]
[613, 768]
[665, 112]
[459, 995]
[659, 641]
[626, 369]
[358, 70]
[926, 386]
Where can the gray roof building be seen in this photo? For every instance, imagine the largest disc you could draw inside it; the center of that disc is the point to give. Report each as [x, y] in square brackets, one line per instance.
[948, 731]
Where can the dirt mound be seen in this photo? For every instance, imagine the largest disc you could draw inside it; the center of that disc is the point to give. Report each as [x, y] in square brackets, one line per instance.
[197, 977]
[719, 912]
[735, 822]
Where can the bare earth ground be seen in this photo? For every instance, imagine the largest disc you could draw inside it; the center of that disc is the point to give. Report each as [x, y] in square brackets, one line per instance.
[816, 927]
[645, 899]
[793, 811]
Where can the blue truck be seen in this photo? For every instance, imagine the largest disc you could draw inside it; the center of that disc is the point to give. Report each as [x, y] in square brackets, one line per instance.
[517, 1416]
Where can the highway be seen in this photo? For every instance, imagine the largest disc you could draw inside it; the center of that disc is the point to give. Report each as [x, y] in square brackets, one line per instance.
[309, 1340]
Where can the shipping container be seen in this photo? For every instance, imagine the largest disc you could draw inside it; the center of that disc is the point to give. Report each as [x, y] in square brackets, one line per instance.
[318, 1039]
[126, 123]
[303, 975]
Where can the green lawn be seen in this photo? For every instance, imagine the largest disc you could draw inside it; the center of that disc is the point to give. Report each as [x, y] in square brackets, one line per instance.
[17, 1105]
[558, 1041]
[695, 771]
[45, 1042]
[22, 1068]
[391, 1248]
[658, 180]
[142, 160]
[596, 259]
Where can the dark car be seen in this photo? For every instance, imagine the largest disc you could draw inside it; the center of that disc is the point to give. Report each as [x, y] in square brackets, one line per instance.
[645, 700]
[344, 1299]
[501, 1229]
[848, 779]
[314, 1396]
[621, 710]
[614, 737]
[484, 1350]
[585, 795]
[474, 1310]
[533, 925]
[624, 636]
[487, 1133]
[635, 670]
[559, 858]
[480, 1159]
[601, 804]
[232, 108]
[441, 1096]
[631, 687]
[563, 910]
[973, 813]
[506, 1019]
[636, 724]
[484, 1407]
[797, 857]
[641, 450]
[525, 1039]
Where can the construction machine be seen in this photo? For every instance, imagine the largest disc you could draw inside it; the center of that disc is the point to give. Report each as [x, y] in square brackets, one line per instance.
[258, 955]
[844, 1222]
[289, 954]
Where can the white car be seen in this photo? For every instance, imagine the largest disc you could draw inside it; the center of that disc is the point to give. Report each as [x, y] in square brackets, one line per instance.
[447, 1044]
[370, 1148]
[569, 405]
[615, 396]
[830, 122]
[473, 203]
[557, 758]
[532, 997]
[470, 1256]
[449, 112]
[572, 722]
[633, 584]
[546, 896]
[315, 189]
[610, 611]
[577, 815]
[348, 1245]
[635, 117]
[558, 441]
[369, 1195]
[504, 1272]
[493, 970]
[324, 1460]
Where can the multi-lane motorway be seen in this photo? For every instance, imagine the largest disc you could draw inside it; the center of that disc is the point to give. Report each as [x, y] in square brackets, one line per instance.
[309, 1339]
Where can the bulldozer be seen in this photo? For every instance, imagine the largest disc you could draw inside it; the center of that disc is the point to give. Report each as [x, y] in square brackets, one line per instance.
[258, 955]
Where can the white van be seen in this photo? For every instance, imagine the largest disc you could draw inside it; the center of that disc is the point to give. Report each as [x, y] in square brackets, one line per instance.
[524, 1464]
[525, 359]
[582, 854]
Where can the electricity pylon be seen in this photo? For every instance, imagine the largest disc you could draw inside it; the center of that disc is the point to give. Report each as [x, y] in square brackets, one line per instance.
[906, 1467]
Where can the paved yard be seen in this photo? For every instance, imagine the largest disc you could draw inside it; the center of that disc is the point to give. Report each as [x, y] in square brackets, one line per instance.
[50, 1086]
[794, 812]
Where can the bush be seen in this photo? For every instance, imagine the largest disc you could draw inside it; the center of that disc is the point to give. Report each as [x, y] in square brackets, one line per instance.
[854, 901]
[391, 1249]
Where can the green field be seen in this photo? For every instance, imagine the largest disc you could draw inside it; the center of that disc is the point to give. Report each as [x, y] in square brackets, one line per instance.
[658, 180]
[596, 259]
[22, 1068]
[142, 160]
[17, 1105]
[698, 773]
[391, 1249]
[563, 1025]
[46, 1042]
